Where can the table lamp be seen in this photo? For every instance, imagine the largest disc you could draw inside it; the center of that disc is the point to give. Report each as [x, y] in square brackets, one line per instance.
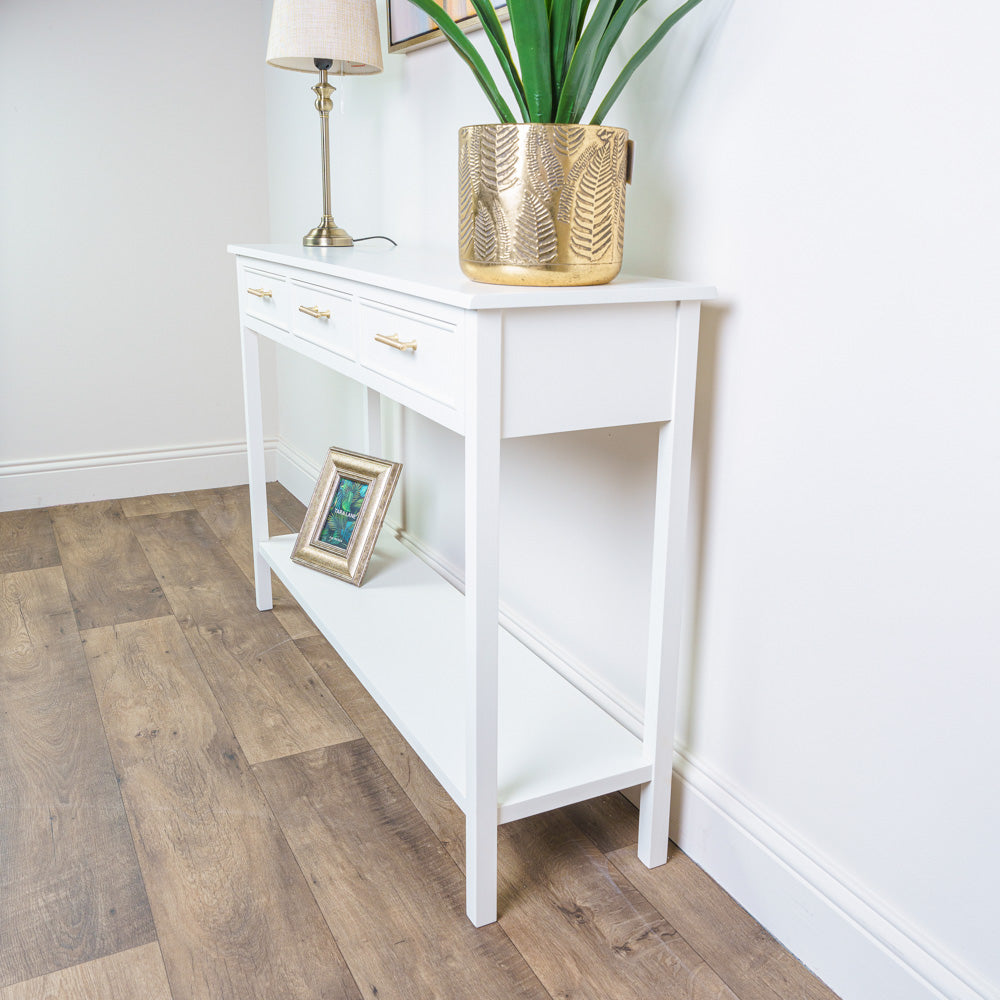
[325, 35]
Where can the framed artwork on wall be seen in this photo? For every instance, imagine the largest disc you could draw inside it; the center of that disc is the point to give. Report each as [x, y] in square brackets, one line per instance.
[411, 28]
[345, 514]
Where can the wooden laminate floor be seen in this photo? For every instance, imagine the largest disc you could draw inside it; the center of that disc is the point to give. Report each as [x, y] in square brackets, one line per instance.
[198, 801]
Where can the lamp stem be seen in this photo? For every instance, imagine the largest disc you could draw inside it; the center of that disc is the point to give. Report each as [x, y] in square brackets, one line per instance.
[324, 105]
[327, 233]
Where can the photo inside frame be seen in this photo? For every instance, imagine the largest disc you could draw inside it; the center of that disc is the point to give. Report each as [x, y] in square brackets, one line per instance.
[409, 25]
[347, 503]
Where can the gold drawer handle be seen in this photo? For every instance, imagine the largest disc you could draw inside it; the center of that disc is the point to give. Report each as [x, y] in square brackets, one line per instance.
[315, 312]
[391, 340]
[261, 293]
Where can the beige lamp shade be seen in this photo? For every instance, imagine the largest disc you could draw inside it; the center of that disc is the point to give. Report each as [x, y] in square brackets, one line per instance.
[345, 31]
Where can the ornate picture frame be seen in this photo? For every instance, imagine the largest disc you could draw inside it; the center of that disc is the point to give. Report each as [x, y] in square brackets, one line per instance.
[410, 28]
[345, 514]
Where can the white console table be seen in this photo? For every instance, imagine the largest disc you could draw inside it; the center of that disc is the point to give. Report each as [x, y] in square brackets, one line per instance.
[506, 735]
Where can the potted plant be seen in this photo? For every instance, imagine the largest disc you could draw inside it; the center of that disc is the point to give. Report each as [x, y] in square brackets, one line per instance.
[543, 202]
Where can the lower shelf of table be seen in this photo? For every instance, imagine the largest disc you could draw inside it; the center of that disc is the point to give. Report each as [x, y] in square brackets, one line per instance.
[402, 633]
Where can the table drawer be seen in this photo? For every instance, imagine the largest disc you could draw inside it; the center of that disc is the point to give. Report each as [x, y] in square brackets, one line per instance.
[421, 352]
[263, 295]
[324, 317]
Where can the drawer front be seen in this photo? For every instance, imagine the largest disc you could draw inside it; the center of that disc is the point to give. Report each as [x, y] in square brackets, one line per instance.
[423, 353]
[324, 317]
[559, 374]
[263, 294]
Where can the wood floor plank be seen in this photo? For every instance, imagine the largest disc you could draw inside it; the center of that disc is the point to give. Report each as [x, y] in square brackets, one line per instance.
[73, 927]
[752, 963]
[289, 509]
[227, 513]
[26, 541]
[70, 886]
[157, 503]
[391, 894]
[584, 929]
[234, 915]
[127, 975]
[272, 698]
[611, 821]
[535, 904]
[109, 578]
[424, 790]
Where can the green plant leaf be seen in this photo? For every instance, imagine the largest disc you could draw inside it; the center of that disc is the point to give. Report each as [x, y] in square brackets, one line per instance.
[469, 55]
[494, 31]
[623, 12]
[581, 65]
[530, 25]
[563, 19]
[636, 61]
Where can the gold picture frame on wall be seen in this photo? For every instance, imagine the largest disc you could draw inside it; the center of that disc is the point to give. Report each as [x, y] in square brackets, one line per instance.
[345, 514]
[410, 28]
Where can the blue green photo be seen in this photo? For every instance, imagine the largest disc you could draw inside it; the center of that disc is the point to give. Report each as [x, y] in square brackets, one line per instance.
[345, 508]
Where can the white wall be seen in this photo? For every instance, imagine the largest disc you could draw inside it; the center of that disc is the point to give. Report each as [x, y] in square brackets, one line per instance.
[840, 185]
[132, 152]
[834, 172]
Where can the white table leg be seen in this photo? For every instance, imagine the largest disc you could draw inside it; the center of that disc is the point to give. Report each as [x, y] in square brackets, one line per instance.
[482, 481]
[255, 461]
[666, 606]
[373, 422]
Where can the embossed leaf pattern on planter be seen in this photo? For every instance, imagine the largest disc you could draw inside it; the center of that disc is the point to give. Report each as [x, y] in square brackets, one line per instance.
[593, 213]
[498, 157]
[541, 194]
[491, 238]
[535, 235]
[544, 168]
[502, 230]
[468, 192]
[622, 179]
[485, 238]
[568, 139]
[609, 148]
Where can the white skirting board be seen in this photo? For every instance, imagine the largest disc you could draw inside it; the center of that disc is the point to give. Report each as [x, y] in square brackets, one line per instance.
[296, 472]
[843, 933]
[111, 475]
[848, 938]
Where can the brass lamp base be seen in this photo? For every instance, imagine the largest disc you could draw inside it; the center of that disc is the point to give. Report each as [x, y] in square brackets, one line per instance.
[327, 234]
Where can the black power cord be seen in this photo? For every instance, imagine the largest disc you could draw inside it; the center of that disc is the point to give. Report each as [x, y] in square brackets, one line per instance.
[361, 239]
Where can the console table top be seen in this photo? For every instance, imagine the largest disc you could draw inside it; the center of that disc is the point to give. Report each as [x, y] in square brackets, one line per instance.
[436, 275]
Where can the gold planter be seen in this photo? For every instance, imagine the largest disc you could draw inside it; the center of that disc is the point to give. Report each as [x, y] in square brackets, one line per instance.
[542, 204]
